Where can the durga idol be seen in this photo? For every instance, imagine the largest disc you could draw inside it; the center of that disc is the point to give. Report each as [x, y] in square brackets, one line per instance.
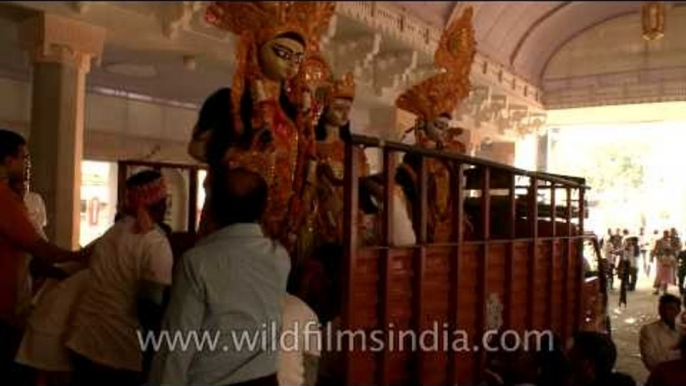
[432, 102]
[272, 105]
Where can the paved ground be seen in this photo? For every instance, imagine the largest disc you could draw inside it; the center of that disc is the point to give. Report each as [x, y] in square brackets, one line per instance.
[626, 323]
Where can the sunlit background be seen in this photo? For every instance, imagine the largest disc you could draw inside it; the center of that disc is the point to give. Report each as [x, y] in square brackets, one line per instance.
[633, 158]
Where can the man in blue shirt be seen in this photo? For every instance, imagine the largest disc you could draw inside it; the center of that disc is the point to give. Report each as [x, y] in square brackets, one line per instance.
[226, 295]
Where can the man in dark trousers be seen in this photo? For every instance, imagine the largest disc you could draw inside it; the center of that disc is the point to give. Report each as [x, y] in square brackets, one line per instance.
[681, 271]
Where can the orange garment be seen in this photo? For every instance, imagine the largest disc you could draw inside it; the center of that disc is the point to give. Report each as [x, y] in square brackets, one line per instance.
[17, 235]
[285, 143]
[330, 186]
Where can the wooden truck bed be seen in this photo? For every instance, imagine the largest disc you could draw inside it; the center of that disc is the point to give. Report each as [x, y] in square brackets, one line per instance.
[519, 254]
[413, 287]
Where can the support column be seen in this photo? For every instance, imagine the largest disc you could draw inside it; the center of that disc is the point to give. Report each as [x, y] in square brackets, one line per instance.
[543, 146]
[61, 50]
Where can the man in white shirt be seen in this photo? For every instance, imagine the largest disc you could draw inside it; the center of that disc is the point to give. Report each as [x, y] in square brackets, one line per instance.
[230, 286]
[658, 340]
[131, 263]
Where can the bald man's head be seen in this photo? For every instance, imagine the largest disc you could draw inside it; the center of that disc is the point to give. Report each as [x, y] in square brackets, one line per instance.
[238, 196]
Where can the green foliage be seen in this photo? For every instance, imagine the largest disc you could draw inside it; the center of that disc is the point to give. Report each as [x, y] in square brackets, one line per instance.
[616, 167]
[609, 166]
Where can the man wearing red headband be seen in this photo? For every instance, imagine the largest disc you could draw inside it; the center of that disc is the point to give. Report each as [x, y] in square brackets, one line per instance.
[131, 262]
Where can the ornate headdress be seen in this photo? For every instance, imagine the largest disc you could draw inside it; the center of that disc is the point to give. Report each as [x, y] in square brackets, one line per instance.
[344, 87]
[441, 93]
[264, 20]
[316, 70]
[258, 22]
[257, 161]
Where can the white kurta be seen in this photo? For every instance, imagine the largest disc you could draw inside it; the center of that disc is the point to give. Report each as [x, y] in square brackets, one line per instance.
[658, 344]
[105, 322]
[43, 346]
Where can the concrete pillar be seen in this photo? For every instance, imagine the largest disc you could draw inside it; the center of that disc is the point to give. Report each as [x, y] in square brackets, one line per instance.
[61, 50]
[543, 152]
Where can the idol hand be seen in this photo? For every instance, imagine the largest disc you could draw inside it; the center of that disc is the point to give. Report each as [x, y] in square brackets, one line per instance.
[307, 101]
[311, 171]
[258, 93]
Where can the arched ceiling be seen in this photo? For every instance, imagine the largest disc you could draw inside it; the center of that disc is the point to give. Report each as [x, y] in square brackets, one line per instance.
[523, 35]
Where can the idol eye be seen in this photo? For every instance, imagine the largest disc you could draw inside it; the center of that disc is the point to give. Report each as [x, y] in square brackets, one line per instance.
[281, 53]
[286, 54]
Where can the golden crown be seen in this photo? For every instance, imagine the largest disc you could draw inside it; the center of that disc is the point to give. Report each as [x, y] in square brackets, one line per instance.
[344, 87]
[440, 94]
[268, 19]
[256, 161]
[316, 70]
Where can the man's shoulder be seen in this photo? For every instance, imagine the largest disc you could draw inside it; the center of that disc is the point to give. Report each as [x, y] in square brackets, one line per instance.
[257, 243]
[649, 327]
[234, 247]
[156, 236]
[296, 308]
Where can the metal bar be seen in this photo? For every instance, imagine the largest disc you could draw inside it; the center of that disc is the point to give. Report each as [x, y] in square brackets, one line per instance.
[578, 260]
[481, 242]
[567, 260]
[482, 274]
[486, 204]
[533, 224]
[456, 266]
[509, 263]
[553, 248]
[151, 164]
[493, 241]
[350, 207]
[423, 202]
[397, 146]
[385, 263]
[420, 268]
[193, 200]
[553, 211]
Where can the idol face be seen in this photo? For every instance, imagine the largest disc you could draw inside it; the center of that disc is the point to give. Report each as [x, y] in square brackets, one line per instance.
[281, 57]
[436, 128]
[338, 114]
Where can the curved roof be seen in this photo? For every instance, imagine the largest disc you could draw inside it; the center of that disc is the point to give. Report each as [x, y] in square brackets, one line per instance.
[523, 36]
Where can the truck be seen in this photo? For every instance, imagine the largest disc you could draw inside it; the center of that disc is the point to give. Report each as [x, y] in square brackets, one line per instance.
[498, 249]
